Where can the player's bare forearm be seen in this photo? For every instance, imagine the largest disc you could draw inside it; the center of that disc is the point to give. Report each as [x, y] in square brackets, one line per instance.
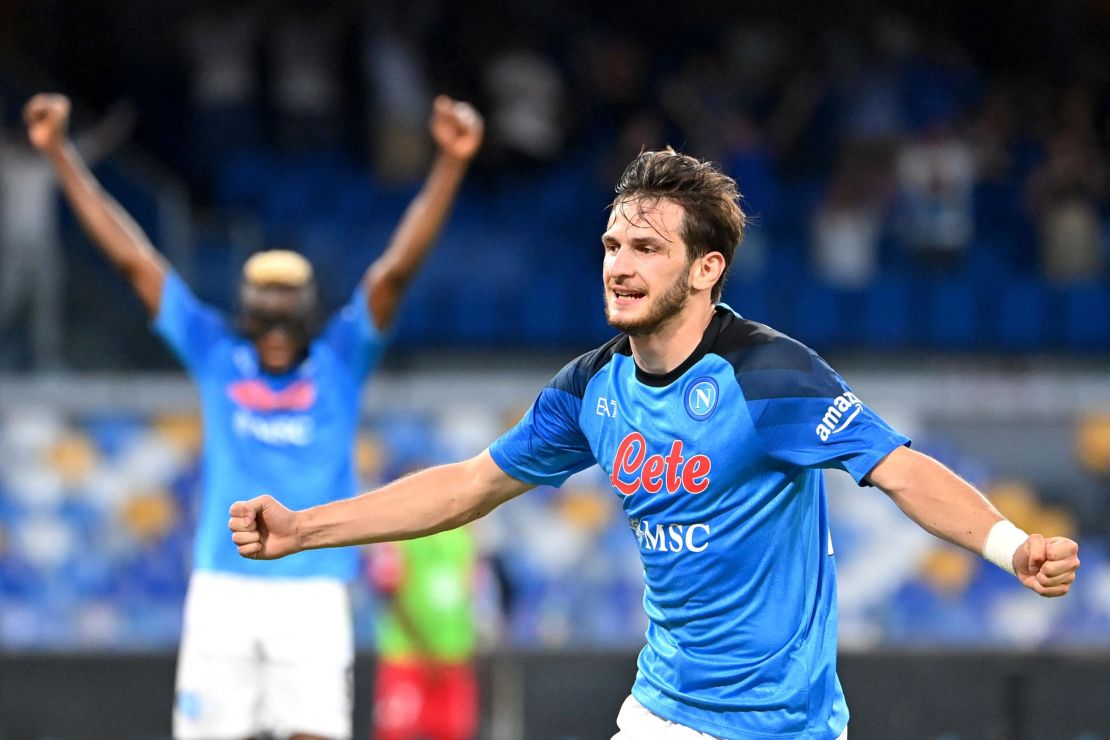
[430, 501]
[936, 498]
[390, 275]
[944, 504]
[46, 116]
[457, 129]
[112, 229]
[423, 503]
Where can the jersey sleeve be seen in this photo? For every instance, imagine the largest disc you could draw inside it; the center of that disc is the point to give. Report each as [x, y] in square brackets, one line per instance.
[806, 415]
[351, 334]
[547, 445]
[191, 328]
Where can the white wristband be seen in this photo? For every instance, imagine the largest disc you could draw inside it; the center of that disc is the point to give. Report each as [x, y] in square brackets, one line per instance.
[1002, 542]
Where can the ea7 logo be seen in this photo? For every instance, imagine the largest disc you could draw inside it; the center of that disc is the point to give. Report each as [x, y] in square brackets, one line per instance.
[839, 415]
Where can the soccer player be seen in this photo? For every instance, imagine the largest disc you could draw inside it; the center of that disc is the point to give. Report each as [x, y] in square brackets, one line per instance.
[714, 431]
[268, 647]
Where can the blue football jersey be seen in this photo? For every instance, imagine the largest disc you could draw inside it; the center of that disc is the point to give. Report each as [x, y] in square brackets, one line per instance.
[718, 466]
[290, 435]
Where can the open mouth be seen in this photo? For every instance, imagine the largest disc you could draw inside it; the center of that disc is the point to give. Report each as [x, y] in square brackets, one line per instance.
[626, 297]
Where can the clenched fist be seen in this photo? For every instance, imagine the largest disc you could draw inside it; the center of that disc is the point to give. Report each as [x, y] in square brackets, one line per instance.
[47, 118]
[456, 127]
[263, 529]
[1047, 566]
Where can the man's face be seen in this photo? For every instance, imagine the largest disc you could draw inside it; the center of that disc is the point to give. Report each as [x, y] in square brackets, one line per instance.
[278, 320]
[647, 267]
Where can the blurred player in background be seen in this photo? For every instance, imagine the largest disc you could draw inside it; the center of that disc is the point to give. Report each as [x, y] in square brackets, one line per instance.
[714, 431]
[425, 685]
[268, 648]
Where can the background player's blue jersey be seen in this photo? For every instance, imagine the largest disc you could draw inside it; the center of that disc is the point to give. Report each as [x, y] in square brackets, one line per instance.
[718, 466]
[288, 435]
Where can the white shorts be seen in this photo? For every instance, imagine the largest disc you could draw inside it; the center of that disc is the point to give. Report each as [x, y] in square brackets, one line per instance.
[264, 655]
[635, 722]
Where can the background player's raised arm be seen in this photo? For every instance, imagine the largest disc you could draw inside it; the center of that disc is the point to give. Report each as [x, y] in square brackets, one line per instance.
[457, 129]
[950, 508]
[420, 504]
[112, 229]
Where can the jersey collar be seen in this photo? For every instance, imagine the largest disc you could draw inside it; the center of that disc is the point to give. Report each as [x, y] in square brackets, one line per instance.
[721, 317]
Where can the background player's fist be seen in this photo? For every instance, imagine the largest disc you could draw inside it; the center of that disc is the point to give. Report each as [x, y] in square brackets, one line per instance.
[46, 116]
[456, 127]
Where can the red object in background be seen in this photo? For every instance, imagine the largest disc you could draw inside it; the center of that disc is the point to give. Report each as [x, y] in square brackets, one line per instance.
[434, 700]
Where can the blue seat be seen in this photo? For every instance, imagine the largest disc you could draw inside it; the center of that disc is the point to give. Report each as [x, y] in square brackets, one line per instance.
[1020, 316]
[243, 178]
[820, 314]
[1086, 316]
[749, 298]
[953, 313]
[111, 432]
[215, 266]
[887, 321]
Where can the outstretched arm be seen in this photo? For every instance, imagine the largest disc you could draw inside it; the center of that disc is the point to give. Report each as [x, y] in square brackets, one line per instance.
[109, 226]
[420, 504]
[457, 129]
[950, 508]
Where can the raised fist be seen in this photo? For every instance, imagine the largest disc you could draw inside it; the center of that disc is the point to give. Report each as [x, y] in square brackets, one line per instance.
[457, 128]
[46, 116]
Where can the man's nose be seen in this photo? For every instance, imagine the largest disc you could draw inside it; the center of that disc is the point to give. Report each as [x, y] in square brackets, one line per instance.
[620, 262]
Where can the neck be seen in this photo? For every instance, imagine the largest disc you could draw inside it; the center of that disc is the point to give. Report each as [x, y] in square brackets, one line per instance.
[669, 345]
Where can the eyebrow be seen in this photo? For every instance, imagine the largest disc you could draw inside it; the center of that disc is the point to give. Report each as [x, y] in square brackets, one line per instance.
[637, 240]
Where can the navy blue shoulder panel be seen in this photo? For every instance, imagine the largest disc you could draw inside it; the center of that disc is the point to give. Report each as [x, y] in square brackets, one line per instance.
[769, 364]
[576, 375]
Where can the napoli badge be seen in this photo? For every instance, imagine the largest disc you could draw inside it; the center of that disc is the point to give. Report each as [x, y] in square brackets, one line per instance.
[701, 398]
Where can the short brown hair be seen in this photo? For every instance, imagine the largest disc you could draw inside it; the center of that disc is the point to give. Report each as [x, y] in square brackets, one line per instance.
[713, 221]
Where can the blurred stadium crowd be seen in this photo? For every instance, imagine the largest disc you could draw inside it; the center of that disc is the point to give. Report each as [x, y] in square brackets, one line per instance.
[918, 178]
[97, 511]
[921, 179]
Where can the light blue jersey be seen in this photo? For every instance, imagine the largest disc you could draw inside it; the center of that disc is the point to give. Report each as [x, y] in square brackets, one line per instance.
[718, 468]
[289, 435]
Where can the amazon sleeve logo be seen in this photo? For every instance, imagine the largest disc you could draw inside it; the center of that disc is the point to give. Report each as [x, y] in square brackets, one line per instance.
[840, 413]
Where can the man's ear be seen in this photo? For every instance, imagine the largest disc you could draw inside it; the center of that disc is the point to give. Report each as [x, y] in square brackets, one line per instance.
[707, 270]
